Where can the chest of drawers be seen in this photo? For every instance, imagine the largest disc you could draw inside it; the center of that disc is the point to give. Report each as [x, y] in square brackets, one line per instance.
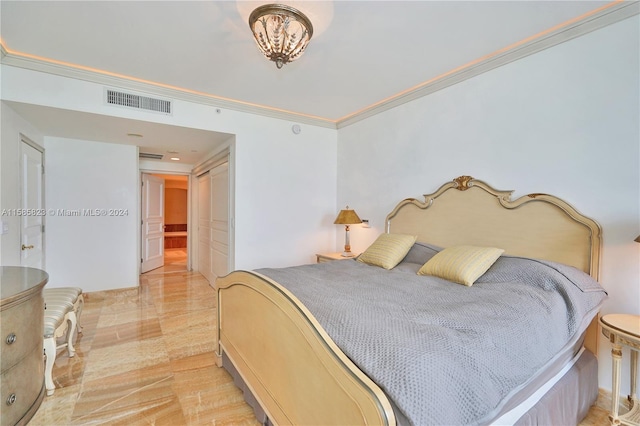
[21, 331]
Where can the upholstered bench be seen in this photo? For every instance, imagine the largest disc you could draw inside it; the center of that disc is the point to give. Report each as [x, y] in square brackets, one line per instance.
[73, 294]
[62, 308]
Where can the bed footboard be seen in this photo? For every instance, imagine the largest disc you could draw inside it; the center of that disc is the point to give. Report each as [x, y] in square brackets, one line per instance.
[292, 367]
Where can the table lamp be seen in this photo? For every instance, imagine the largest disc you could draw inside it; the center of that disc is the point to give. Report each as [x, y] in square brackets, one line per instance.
[347, 217]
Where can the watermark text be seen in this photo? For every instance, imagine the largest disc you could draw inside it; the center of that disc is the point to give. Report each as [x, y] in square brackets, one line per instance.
[65, 212]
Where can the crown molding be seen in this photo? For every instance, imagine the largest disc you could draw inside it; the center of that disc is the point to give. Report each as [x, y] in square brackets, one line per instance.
[123, 82]
[610, 14]
[616, 12]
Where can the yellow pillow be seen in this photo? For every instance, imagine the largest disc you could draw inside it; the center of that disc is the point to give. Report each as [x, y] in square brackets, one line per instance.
[388, 250]
[461, 264]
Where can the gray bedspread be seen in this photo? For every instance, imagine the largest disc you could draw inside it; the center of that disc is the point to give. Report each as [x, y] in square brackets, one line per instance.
[446, 354]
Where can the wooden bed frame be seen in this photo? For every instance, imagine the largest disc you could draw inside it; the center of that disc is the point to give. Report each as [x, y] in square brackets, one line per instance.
[299, 375]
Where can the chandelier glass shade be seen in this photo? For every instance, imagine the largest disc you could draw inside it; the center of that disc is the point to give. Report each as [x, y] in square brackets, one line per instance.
[281, 32]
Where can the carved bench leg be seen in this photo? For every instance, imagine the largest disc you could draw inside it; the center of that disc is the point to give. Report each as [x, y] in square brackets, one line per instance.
[78, 310]
[71, 317]
[50, 353]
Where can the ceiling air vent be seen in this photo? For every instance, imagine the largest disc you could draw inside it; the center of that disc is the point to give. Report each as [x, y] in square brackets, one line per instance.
[131, 100]
[150, 155]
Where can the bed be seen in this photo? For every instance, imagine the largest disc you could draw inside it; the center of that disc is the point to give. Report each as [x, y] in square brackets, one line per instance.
[284, 354]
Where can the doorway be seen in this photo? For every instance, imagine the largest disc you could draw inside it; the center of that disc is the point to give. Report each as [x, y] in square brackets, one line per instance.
[174, 224]
[32, 200]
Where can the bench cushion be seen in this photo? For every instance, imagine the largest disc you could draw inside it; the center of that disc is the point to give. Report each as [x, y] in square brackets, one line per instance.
[57, 303]
[54, 315]
[71, 293]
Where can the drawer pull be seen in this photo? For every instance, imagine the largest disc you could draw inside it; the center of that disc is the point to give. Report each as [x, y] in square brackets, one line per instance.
[11, 339]
[11, 399]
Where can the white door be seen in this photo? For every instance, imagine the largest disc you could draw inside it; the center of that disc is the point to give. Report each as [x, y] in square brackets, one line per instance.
[32, 194]
[204, 226]
[152, 222]
[219, 221]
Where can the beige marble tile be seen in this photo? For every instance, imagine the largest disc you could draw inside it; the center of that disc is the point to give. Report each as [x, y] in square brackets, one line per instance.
[88, 322]
[194, 362]
[82, 344]
[147, 406]
[208, 396]
[604, 400]
[596, 417]
[58, 408]
[123, 394]
[126, 357]
[169, 306]
[68, 371]
[199, 338]
[237, 414]
[132, 331]
[126, 298]
[176, 322]
[170, 292]
[168, 269]
[111, 317]
[175, 260]
[179, 283]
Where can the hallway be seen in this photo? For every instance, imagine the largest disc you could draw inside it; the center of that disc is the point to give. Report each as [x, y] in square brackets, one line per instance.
[175, 260]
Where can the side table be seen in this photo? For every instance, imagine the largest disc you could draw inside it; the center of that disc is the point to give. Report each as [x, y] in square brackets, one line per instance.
[328, 257]
[623, 330]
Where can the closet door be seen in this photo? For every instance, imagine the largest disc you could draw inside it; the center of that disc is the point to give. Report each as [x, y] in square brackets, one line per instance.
[219, 221]
[204, 226]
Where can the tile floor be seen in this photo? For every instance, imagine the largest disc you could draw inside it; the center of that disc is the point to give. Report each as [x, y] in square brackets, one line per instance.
[146, 356]
[175, 260]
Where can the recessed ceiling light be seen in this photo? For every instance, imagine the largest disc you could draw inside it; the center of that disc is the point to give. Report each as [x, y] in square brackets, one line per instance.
[134, 135]
[175, 158]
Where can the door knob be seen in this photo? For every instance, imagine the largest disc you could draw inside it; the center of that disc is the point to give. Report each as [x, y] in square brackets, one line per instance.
[29, 247]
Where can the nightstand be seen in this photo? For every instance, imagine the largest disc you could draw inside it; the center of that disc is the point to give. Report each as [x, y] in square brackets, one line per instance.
[623, 330]
[328, 257]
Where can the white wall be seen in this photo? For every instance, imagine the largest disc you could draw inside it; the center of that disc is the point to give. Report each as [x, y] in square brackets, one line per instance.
[91, 252]
[12, 125]
[564, 121]
[285, 198]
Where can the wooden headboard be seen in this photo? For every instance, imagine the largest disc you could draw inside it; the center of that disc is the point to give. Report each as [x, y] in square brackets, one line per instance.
[540, 226]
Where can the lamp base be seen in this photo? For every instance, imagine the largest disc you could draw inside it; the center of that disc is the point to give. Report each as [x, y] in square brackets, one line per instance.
[348, 254]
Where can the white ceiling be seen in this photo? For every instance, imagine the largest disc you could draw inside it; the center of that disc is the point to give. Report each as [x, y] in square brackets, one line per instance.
[367, 52]
[189, 145]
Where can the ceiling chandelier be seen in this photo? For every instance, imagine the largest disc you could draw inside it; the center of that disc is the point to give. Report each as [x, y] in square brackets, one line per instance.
[282, 32]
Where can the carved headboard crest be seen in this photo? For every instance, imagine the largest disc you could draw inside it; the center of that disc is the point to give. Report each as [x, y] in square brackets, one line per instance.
[462, 182]
[535, 225]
